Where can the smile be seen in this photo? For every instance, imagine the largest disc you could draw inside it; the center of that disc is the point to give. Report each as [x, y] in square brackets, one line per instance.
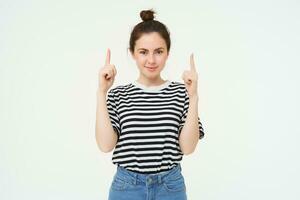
[151, 68]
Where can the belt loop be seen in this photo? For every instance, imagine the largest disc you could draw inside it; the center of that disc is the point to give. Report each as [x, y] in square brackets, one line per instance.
[159, 179]
[135, 179]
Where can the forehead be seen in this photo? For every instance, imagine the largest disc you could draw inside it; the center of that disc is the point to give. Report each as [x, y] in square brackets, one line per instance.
[150, 41]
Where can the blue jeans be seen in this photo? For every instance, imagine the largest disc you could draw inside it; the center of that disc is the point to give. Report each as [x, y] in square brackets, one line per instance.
[128, 185]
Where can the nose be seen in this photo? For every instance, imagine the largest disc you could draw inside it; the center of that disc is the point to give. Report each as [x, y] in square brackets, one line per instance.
[151, 59]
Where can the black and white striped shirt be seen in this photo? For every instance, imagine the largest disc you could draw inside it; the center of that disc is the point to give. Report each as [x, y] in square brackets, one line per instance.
[148, 121]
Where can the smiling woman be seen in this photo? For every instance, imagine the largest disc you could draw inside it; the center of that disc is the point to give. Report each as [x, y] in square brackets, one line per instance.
[150, 54]
[149, 45]
[150, 123]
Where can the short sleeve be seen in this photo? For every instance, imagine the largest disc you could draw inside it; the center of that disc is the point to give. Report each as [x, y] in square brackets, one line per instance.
[184, 115]
[113, 112]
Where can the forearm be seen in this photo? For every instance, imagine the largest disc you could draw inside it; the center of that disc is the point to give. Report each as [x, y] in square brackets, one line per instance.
[105, 135]
[189, 135]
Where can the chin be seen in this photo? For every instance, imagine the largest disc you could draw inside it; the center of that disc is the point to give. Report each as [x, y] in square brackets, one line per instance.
[151, 75]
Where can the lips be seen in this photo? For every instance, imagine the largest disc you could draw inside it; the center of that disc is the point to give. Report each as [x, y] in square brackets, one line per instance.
[151, 67]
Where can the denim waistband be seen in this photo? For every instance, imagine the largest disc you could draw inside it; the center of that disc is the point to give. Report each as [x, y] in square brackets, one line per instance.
[140, 178]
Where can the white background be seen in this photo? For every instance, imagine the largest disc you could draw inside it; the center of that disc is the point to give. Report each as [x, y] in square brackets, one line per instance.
[247, 58]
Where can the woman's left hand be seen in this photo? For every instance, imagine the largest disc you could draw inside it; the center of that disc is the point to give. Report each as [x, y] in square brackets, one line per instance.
[190, 78]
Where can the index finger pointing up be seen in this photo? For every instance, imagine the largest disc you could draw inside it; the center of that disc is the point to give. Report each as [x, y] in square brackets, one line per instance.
[192, 63]
[107, 60]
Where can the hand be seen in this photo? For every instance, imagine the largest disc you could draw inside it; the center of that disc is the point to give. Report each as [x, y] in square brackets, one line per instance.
[107, 74]
[190, 78]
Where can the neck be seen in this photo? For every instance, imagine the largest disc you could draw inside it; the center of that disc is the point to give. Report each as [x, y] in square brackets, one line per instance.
[151, 82]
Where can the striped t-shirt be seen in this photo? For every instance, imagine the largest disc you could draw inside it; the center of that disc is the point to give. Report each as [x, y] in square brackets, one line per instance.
[148, 121]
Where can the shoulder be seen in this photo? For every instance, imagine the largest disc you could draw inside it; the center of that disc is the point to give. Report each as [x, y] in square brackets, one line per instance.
[120, 88]
[179, 86]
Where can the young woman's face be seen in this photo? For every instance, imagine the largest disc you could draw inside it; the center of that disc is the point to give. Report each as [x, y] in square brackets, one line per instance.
[150, 54]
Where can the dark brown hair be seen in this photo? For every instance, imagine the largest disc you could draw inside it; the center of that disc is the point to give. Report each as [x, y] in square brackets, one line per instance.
[149, 25]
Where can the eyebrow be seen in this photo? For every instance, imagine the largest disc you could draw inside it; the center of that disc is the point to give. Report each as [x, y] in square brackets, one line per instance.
[154, 49]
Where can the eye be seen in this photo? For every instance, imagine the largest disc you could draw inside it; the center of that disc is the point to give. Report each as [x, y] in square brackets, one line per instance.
[159, 52]
[143, 52]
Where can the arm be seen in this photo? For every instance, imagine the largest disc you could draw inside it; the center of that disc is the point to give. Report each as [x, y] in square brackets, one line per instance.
[105, 135]
[189, 134]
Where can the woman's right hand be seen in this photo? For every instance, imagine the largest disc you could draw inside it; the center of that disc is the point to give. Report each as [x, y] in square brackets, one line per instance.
[107, 74]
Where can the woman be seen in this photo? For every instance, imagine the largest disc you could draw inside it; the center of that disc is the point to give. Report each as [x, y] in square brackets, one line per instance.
[150, 123]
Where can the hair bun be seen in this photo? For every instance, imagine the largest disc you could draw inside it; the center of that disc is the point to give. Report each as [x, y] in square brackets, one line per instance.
[147, 15]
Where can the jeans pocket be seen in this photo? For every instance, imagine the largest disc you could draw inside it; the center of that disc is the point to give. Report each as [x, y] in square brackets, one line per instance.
[118, 184]
[175, 184]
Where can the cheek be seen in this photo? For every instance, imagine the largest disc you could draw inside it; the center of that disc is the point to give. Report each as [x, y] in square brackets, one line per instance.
[163, 59]
[141, 61]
